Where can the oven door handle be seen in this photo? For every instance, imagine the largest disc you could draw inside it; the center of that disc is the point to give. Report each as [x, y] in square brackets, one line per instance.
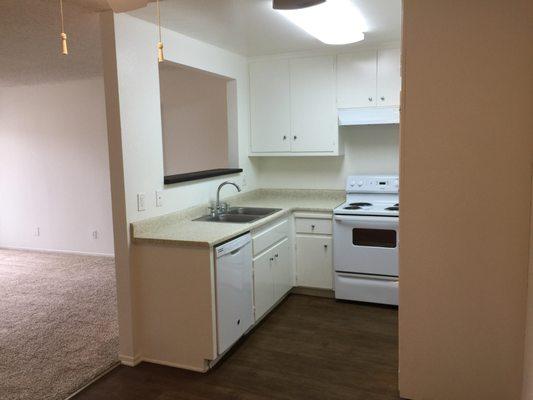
[366, 219]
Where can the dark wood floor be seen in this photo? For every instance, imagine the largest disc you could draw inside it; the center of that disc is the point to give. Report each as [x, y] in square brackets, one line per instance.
[308, 348]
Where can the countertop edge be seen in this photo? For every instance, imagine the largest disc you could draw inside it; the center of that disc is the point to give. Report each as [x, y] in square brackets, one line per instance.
[248, 228]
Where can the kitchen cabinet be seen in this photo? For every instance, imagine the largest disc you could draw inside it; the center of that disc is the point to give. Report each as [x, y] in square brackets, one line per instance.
[357, 79]
[272, 265]
[293, 107]
[270, 106]
[281, 269]
[388, 77]
[313, 112]
[263, 284]
[314, 261]
[369, 79]
[314, 252]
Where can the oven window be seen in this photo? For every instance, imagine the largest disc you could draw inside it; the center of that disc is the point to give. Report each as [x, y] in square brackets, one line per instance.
[374, 237]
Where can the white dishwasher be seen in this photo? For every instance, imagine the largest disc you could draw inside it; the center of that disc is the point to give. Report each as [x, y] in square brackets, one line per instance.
[233, 271]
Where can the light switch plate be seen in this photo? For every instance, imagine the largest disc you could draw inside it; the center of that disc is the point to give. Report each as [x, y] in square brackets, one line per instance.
[141, 202]
[159, 198]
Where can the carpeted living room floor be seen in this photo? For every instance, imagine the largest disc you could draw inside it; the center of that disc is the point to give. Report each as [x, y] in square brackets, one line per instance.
[58, 323]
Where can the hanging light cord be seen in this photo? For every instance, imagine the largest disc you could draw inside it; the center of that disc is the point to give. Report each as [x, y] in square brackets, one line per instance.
[64, 46]
[160, 56]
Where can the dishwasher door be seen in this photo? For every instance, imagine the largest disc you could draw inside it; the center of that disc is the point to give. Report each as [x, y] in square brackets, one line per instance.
[233, 290]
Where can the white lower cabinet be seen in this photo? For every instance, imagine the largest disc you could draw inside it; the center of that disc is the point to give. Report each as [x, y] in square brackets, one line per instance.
[281, 269]
[314, 261]
[314, 250]
[263, 284]
[272, 268]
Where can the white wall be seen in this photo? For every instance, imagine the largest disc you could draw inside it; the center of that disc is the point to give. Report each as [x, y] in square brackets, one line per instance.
[140, 114]
[135, 137]
[368, 150]
[54, 171]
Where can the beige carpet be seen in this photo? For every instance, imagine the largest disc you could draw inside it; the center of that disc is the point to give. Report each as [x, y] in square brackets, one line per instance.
[58, 323]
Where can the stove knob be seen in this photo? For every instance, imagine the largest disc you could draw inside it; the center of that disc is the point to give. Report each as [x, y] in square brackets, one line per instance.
[360, 183]
[352, 183]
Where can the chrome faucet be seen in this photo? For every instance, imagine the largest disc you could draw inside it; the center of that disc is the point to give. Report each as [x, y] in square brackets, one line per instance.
[218, 207]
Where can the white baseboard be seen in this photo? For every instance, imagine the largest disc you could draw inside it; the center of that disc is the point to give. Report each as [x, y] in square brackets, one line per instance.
[79, 253]
[130, 361]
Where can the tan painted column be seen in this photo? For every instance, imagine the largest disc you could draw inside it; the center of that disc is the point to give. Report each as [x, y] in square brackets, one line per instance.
[466, 154]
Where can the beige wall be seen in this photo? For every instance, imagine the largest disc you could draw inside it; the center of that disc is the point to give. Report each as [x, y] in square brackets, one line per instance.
[466, 155]
[194, 112]
[527, 393]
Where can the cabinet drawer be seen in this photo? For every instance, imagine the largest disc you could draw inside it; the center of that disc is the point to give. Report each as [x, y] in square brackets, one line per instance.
[313, 225]
[264, 238]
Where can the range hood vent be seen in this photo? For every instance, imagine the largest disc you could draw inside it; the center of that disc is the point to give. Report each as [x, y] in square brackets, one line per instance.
[369, 116]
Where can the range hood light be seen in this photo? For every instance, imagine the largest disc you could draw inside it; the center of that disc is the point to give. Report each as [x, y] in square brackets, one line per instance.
[333, 22]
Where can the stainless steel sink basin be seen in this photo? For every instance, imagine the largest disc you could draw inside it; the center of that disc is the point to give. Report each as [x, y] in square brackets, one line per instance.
[240, 215]
[252, 211]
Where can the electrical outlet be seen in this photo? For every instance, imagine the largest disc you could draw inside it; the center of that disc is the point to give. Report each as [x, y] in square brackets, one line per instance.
[95, 235]
[37, 231]
[141, 202]
[159, 198]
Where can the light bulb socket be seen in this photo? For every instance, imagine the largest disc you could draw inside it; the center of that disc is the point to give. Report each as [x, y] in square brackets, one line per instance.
[64, 45]
[160, 56]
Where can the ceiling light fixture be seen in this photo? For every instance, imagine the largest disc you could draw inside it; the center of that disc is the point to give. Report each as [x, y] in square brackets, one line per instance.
[294, 4]
[333, 22]
[63, 36]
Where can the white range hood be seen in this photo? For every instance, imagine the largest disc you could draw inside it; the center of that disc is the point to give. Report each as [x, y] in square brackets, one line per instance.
[369, 116]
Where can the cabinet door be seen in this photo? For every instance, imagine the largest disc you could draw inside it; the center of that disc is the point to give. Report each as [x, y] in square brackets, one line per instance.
[314, 115]
[357, 79]
[263, 284]
[281, 269]
[389, 78]
[314, 261]
[270, 106]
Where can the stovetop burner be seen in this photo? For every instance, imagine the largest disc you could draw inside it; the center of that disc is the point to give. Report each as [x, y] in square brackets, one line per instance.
[361, 204]
[393, 208]
[352, 207]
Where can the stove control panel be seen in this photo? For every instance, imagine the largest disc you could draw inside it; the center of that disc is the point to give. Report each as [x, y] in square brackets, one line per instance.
[373, 184]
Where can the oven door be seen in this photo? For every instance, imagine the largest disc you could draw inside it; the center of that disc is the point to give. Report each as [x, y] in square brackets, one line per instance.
[366, 244]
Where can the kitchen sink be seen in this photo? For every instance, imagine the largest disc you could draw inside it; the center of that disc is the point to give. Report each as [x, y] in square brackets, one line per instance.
[251, 211]
[240, 215]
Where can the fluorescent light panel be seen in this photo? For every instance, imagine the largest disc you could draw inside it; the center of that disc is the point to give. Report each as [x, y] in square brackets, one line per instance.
[332, 22]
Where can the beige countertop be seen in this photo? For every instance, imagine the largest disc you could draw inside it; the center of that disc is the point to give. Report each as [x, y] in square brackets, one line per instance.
[179, 227]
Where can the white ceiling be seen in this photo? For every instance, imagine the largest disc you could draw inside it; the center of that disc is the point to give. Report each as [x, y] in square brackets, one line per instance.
[253, 28]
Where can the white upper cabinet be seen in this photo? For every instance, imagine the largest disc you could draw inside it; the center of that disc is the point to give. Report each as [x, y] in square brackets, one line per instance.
[270, 106]
[369, 78]
[293, 107]
[389, 77]
[357, 79]
[314, 115]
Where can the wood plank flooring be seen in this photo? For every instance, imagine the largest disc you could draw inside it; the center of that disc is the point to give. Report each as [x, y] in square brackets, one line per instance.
[308, 348]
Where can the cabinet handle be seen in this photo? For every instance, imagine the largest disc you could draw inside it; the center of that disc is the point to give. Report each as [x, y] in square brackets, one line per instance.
[277, 255]
[370, 99]
[295, 137]
[326, 246]
[312, 227]
[284, 137]
[382, 98]
[271, 258]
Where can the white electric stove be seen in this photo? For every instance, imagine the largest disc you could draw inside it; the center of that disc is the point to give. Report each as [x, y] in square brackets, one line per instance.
[365, 240]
